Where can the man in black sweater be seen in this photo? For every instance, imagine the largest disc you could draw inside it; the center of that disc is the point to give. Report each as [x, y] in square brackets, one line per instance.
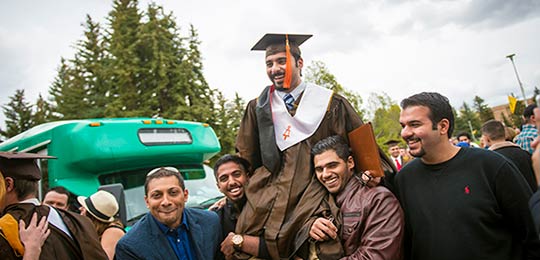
[459, 203]
[494, 137]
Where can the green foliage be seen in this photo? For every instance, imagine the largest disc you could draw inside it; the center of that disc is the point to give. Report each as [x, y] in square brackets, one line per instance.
[385, 118]
[18, 115]
[319, 74]
[484, 112]
[137, 65]
[227, 122]
[467, 119]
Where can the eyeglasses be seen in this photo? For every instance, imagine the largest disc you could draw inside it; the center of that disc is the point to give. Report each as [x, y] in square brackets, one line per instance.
[168, 168]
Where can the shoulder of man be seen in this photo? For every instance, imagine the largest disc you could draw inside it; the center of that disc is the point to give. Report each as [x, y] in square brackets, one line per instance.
[142, 226]
[201, 214]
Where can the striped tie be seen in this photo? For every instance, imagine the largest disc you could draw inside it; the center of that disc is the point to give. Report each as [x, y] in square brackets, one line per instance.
[289, 101]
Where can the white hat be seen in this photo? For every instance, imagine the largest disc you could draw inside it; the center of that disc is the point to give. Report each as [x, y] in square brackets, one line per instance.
[102, 205]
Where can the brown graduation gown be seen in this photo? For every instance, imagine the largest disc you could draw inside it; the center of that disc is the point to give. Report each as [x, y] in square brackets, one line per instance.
[58, 245]
[282, 204]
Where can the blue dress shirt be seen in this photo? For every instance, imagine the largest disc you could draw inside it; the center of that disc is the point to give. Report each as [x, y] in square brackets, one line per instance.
[178, 238]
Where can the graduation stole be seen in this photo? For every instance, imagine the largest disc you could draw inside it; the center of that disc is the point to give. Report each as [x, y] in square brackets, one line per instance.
[290, 130]
[9, 229]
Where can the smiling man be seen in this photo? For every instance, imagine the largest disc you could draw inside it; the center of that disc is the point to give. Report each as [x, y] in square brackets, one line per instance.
[459, 203]
[372, 218]
[231, 173]
[275, 136]
[169, 230]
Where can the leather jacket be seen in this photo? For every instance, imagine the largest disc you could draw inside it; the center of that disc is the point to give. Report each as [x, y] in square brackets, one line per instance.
[373, 222]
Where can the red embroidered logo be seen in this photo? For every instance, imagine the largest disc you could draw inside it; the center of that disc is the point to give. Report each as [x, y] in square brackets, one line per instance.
[467, 190]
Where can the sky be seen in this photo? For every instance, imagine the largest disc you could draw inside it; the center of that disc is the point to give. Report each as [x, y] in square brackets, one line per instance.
[455, 47]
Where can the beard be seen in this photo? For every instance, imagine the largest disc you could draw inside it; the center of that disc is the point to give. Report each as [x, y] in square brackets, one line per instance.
[418, 154]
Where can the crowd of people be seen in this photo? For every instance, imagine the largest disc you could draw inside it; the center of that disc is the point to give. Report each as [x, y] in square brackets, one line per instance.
[294, 191]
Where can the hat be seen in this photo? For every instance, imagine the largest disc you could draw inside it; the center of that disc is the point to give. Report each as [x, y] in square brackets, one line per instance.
[279, 39]
[463, 144]
[102, 205]
[392, 142]
[274, 43]
[21, 165]
[528, 112]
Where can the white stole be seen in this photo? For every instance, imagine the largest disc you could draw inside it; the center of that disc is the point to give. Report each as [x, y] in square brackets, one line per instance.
[291, 130]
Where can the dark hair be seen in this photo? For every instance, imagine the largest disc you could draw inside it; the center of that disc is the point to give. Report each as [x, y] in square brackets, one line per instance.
[277, 47]
[23, 188]
[466, 134]
[494, 129]
[529, 111]
[336, 143]
[161, 173]
[439, 108]
[246, 166]
[60, 190]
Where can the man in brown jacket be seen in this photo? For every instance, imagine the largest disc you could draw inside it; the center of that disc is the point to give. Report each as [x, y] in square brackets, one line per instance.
[72, 236]
[372, 218]
[275, 136]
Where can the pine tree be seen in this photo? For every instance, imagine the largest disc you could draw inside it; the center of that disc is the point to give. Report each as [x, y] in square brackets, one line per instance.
[466, 119]
[18, 114]
[162, 54]
[227, 121]
[124, 42]
[43, 112]
[198, 95]
[484, 112]
[91, 60]
[68, 92]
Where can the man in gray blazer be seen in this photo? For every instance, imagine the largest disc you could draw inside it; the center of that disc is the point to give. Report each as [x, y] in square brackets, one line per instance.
[169, 230]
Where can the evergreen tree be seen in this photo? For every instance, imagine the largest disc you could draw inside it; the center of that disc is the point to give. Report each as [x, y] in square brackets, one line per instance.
[43, 112]
[227, 122]
[124, 45]
[90, 62]
[466, 119]
[198, 94]
[18, 114]
[319, 74]
[484, 112]
[68, 93]
[506, 121]
[161, 59]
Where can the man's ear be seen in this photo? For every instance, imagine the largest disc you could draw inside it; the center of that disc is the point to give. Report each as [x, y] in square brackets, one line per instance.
[350, 163]
[10, 184]
[443, 126]
[186, 195]
[300, 63]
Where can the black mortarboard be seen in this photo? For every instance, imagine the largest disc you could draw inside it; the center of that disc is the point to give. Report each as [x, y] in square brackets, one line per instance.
[21, 165]
[279, 38]
[274, 43]
[392, 142]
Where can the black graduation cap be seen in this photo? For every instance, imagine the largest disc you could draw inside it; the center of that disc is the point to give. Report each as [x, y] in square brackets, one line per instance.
[279, 38]
[392, 142]
[21, 165]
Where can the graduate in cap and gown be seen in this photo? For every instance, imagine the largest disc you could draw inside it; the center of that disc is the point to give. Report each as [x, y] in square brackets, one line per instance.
[72, 236]
[276, 133]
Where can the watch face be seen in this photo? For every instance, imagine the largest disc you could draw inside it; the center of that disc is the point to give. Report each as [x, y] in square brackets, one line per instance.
[237, 239]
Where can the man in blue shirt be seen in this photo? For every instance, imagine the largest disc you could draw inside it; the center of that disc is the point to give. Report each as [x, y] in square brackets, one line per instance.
[169, 230]
[528, 130]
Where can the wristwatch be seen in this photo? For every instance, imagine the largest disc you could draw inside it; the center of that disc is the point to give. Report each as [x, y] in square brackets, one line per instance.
[238, 241]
